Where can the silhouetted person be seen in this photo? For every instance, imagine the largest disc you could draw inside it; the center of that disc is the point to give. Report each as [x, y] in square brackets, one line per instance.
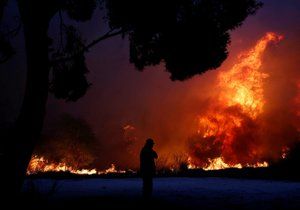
[147, 167]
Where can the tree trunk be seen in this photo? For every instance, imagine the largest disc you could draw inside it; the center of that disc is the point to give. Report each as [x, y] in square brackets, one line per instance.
[30, 120]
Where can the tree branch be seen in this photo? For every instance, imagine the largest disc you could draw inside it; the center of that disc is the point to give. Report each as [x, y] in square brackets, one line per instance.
[105, 36]
[109, 34]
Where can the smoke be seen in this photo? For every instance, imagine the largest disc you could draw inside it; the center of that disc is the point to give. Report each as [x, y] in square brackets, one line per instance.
[150, 105]
[122, 117]
[281, 127]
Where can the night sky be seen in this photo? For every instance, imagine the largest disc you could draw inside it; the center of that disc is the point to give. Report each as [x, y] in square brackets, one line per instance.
[150, 101]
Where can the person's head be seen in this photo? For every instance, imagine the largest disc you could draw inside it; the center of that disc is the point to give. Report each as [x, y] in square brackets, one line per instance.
[149, 143]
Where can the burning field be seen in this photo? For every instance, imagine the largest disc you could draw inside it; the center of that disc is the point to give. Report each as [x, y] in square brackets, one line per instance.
[232, 129]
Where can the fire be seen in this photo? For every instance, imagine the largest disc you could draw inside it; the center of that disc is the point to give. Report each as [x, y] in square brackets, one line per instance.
[242, 85]
[190, 165]
[218, 163]
[39, 164]
[234, 113]
[111, 170]
[227, 131]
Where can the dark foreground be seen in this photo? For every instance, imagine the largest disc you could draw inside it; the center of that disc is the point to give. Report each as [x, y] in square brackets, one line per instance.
[187, 193]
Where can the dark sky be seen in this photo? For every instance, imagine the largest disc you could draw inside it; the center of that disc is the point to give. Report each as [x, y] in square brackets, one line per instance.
[156, 106]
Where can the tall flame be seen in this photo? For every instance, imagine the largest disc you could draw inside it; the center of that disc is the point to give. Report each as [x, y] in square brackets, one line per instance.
[242, 85]
[238, 104]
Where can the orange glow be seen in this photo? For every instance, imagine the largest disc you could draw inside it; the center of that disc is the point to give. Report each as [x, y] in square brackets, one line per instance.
[227, 131]
[238, 104]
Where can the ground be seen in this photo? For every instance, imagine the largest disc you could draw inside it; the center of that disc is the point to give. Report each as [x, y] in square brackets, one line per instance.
[188, 193]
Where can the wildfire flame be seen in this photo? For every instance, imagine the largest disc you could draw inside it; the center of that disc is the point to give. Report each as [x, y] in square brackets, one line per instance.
[218, 163]
[225, 136]
[39, 164]
[242, 85]
[239, 103]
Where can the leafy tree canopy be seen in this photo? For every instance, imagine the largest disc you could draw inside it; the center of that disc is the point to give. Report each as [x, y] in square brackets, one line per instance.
[188, 36]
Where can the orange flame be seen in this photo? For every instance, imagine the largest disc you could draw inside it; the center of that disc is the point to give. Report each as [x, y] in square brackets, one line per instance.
[39, 164]
[240, 101]
[218, 163]
[242, 85]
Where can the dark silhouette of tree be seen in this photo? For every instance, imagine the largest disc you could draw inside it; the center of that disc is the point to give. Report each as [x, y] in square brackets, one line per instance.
[36, 16]
[189, 36]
